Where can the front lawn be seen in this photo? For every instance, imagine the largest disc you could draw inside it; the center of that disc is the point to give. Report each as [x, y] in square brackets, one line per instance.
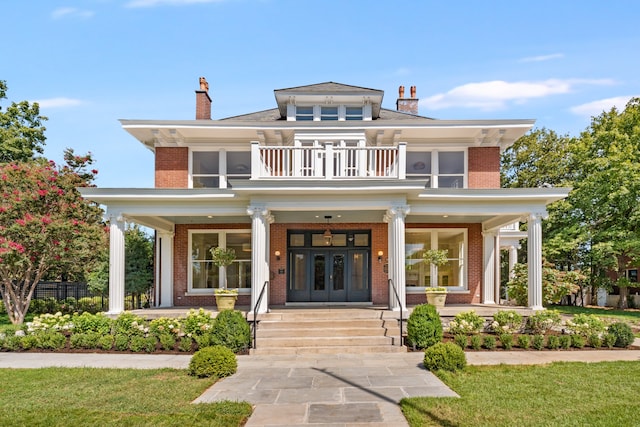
[630, 316]
[560, 394]
[89, 396]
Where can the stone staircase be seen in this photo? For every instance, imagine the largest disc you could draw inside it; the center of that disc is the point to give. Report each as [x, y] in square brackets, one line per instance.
[328, 331]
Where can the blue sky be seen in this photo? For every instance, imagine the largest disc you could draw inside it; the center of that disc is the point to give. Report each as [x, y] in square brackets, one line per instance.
[91, 62]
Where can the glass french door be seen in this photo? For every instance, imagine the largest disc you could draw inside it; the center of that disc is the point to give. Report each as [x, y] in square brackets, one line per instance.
[328, 275]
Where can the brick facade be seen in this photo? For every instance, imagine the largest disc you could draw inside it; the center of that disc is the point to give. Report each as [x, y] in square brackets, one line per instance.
[172, 167]
[484, 167]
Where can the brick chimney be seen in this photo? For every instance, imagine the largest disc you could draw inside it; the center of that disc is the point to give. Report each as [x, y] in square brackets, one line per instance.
[407, 105]
[203, 101]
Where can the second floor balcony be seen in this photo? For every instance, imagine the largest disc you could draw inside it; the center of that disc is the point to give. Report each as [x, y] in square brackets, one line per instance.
[328, 161]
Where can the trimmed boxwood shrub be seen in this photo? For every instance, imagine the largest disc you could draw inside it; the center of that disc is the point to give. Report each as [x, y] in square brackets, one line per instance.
[489, 342]
[565, 342]
[476, 342]
[121, 342]
[231, 330]
[524, 341]
[538, 342]
[577, 341]
[216, 361]
[623, 333]
[105, 342]
[609, 340]
[424, 328]
[460, 340]
[167, 341]
[445, 356]
[507, 341]
[186, 343]
[595, 341]
[553, 342]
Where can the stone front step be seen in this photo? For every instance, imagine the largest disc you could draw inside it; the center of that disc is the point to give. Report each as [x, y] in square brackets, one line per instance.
[327, 331]
[328, 350]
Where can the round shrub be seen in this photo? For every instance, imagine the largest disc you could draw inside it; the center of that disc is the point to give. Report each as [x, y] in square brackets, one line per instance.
[87, 322]
[460, 340]
[565, 342]
[507, 341]
[466, 322]
[186, 344]
[424, 328]
[105, 342]
[476, 342]
[622, 332]
[524, 341]
[231, 330]
[506, 321]
[489, 342]
[445, 356]
[577, 341]
[553, 342]
[543, 321]
[538, 342]
[595, 341]
[609, 340]
[216, 361]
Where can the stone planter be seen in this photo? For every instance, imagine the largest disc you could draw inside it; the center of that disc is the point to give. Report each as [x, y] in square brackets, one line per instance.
[437, 299]
[226, 301]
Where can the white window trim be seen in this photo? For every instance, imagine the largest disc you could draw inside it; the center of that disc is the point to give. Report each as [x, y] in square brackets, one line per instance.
[434, 270]
[222, 241]
[435, 166]
[292, 111]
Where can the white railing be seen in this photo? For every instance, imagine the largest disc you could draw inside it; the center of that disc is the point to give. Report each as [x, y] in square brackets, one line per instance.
[328, 162]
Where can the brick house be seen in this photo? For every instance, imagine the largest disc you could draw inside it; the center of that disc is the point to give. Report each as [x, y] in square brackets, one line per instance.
[327, 199]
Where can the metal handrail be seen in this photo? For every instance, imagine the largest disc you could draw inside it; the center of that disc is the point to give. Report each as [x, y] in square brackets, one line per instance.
[255, 313]
[395, 291]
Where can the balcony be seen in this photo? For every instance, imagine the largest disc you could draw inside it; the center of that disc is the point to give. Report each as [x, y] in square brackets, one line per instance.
[328, 162]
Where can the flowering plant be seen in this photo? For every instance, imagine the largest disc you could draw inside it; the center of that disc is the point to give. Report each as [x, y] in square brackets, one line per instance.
[466, 322]
[506, 321]
[435, 289]
[436, 257]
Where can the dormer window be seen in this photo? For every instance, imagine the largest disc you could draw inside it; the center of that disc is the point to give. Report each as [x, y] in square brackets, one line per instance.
[304, 113]
[328, 113]
[353, 113]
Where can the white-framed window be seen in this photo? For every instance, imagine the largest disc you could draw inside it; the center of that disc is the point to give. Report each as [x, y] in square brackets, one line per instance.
[204, 276]
[420, 274]
[353, 113]
[441, 169]
[304, 113]
[205, 169]
[328, 113]
[213, 168]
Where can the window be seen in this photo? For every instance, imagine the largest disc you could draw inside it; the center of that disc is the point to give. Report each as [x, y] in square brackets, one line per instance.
[419, 166]
[353, 113]
[419, 274]
[304, 113]
[329, 113]
[239, 164]
[632, 275]
[451, 169]
[205, 169]
[204, 275]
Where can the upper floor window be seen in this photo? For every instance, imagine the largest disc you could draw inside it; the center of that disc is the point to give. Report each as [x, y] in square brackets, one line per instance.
[328, 113]
[304, 113]
[353, 113]
[451, 169]
[213, 169]
[205, 169]
[441, 169]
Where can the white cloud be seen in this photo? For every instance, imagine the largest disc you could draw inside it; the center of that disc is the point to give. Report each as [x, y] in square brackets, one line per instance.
[71, 12]
[595, 108]
[154, 3]
[497, 94]
[541, 58]
[58, 102]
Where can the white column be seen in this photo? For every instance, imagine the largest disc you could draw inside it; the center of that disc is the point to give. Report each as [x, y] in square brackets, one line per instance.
[116, 264]
[497, 276]
[534, 260]
[402, 160]
[513, 259]
[165, 247]
[395, 218]
[489, 268]
[260, 219]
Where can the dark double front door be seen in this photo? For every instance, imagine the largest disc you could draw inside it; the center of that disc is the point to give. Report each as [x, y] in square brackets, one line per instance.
[328, 275]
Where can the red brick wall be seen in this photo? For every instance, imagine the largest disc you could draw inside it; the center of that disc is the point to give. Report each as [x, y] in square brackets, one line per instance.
[278, 290]
[474, 266]
[484, 167]
[172, 167]
[203, 105]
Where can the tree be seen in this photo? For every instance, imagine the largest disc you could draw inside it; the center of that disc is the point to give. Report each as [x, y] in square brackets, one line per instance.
[44, 225]
[138, 265]
[138, 262]
[21, 130]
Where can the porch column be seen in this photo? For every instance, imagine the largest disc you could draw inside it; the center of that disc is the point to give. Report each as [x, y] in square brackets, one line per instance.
[513, 259]
[116, 264]
[395, 218]
[534, 259]
[165, 249]
[489, 267]
[260, 220]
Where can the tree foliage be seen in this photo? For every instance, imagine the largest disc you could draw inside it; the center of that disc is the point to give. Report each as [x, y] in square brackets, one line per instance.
[45, 225]
[21, 130]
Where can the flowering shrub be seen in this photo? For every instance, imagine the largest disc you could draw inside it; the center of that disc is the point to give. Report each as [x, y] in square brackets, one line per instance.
[197, 323]
[543, 321]
[87, 322]
[585, 325]
[466, 322]
[166, 326]
[506, 321]
[45, 322]
[131, 325]
[555, 284]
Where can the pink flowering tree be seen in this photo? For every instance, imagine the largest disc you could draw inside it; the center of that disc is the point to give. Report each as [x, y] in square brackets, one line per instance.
[45, 225]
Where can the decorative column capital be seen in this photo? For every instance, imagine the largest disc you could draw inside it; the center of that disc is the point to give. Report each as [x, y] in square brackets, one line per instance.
[538, 215]
[259, 212]
[397, 211]
[116, 217]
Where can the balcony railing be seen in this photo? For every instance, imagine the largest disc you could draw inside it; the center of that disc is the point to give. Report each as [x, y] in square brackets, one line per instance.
[328, 162]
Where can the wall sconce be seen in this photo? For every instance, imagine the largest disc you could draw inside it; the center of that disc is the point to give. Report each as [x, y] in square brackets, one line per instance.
[380, 254]
[277, 254]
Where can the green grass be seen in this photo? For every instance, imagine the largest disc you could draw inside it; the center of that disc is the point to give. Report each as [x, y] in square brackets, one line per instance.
[560, 394]
[631, 316]
[100, 397]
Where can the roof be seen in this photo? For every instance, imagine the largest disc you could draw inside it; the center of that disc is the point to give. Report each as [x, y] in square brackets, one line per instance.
[330, 87]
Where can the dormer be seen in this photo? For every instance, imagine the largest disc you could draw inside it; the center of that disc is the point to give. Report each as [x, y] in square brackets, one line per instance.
[329, 102]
